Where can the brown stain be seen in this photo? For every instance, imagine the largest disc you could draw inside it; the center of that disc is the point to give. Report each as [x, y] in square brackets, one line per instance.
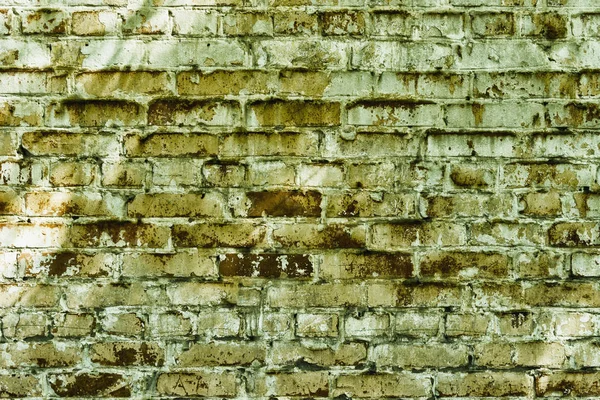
[477, 110]
[285, 204]
[171, 111]
[59, 263]
[266, 265]
[382, 265]
[451, 264]
[104, 384]
[469, 177]
[99, 112]
[567, 234]
[296, 113]
[550, 25]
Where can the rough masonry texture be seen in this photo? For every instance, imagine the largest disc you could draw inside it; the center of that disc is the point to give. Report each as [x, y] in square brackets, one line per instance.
[301, 199]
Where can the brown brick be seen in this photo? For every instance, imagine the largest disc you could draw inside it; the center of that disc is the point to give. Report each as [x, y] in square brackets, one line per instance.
[218, 83]
[38, 295]
[24, 325]
[317, 236]
[367, 204]
[407, 234]
[247, 24]
[577, 383]
[118, 234]
[343, 23]
[90, 384]
[11, 202]
[284, 204]
[71, 325]
[548, 25]
[219, 235]
[94, 23]
[95, 113]
[8, 144]
[102, 295]
[415, 294]
[20, 385]
[216, 354]
[270, 144]
[493, 355]
[209, 204]
[540, 354]
[464, 265]
[306, 83]
[124, 324]
[123, 174]
[20, 113]
[198, 384]
[266, 265]
[574, 234]
[293, 113]
[317, 325]
[72, 173]
[203, 293]
[467, 325]
[323, 295]
[117, 84]
[127, 354]
[176, 112]
[366, 265]
[542, 204]
[421, 356]
[171, 145]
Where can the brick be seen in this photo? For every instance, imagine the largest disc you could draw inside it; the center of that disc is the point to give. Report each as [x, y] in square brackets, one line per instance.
[424, 85]
[128, 174]
[5, 21]
[209, 204]
[95, 113]
[220, 324]
[426, 25]
[573, 234]
[314, 383]
[524, 85]
[464, 265]
[317, 325]
[293, 113]
[539, 264]
[516, 324]
[467, 325]
[25, 325]
[182, 264]
[585, 264]
[343, 23]
[219, 235]
[367, 325]
[194, 22]
[117, 84]
[467, 176]
[576, 115]
[265, 265]
[102, 295]
[492, 115]
[324, 295]
[34, 82]
[539, 354]
[66, 264]
[567, 295]
[20, 113]
[542, 204]
[415, 294]
[276, 326]
[226, 82]
[574, 324]
[170, 324]
[150, 21]
[222, 354]
[366, 265]
[547, 25]
[247, 24]
[585, 353]
[20, 385]
[589, 83]
[488, 145]
[95, 23]
[175, 112]
[90, 384]
[321, 175]
[39, 295]
[394, 113]
[123, 324]
[404, 235]
[11, 203]
[493, 355]
[127, 354]
[176, 172]
[20, 54]
[42, 355]
[417, 324]
[579, 383]
[284, 204]
[208, 53]
[548, 176]
[507, 234]
[32, 235]
[485, 384]
[287, 353]
[332, 236]
[306, 54]
[70, 325]
[420, 356]
[8, 144]
[118, 234]
[468, 205]
[365, 204]
[46, 21]
[72, 174]
[493, 24]
[297, 22]
[171, 145]
[270, 144]
[73, 204]
[224, 175]
[270, 173]
[197, 383]
[70, 144]
[402, 384]
[198, 293]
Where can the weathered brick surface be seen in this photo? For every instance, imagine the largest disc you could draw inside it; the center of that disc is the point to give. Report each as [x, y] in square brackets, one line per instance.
[299, 199]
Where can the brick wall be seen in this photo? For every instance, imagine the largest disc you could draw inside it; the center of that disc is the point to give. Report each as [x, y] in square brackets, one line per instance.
[299, 198]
